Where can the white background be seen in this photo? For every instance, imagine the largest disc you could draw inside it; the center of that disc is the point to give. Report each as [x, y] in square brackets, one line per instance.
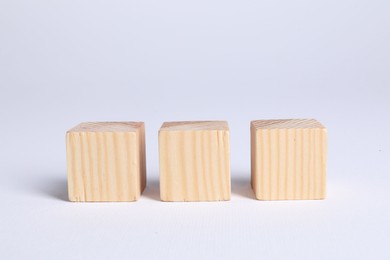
[65, 62]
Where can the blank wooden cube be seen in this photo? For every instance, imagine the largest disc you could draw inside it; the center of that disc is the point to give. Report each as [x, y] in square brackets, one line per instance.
[106, 161]
[194, 161]
[288, 159]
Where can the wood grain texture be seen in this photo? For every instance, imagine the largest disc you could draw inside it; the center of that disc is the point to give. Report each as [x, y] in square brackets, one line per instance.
[106, 161]
[194, 161]
[288, 159]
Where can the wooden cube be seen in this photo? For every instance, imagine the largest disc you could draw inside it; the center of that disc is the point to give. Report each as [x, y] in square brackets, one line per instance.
[288, 159]
[106, 161]
[194, 161]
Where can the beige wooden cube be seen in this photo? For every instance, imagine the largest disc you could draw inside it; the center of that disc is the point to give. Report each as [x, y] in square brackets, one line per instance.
[288, 159]
[106, 161]
[194, 161]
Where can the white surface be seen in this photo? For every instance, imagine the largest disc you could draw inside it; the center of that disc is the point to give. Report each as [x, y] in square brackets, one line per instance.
[65, 62]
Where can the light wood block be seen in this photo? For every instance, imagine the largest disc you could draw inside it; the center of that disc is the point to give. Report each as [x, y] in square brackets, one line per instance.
[106, 161]
[194, 161]
[288, 159]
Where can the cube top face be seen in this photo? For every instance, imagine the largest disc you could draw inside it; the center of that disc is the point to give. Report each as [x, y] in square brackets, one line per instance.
[288, 159]
[107, 127]
[194, 126]
[287, 124]
[195, 161]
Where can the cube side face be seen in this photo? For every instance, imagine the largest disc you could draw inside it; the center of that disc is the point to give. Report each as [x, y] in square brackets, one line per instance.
[194, 165]
[142, 151]
[103, 166]
[253, 157]
[290, 164]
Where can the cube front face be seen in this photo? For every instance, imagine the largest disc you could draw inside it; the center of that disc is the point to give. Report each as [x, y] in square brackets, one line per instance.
[194, 161]
[288, 159]
[106, 162]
